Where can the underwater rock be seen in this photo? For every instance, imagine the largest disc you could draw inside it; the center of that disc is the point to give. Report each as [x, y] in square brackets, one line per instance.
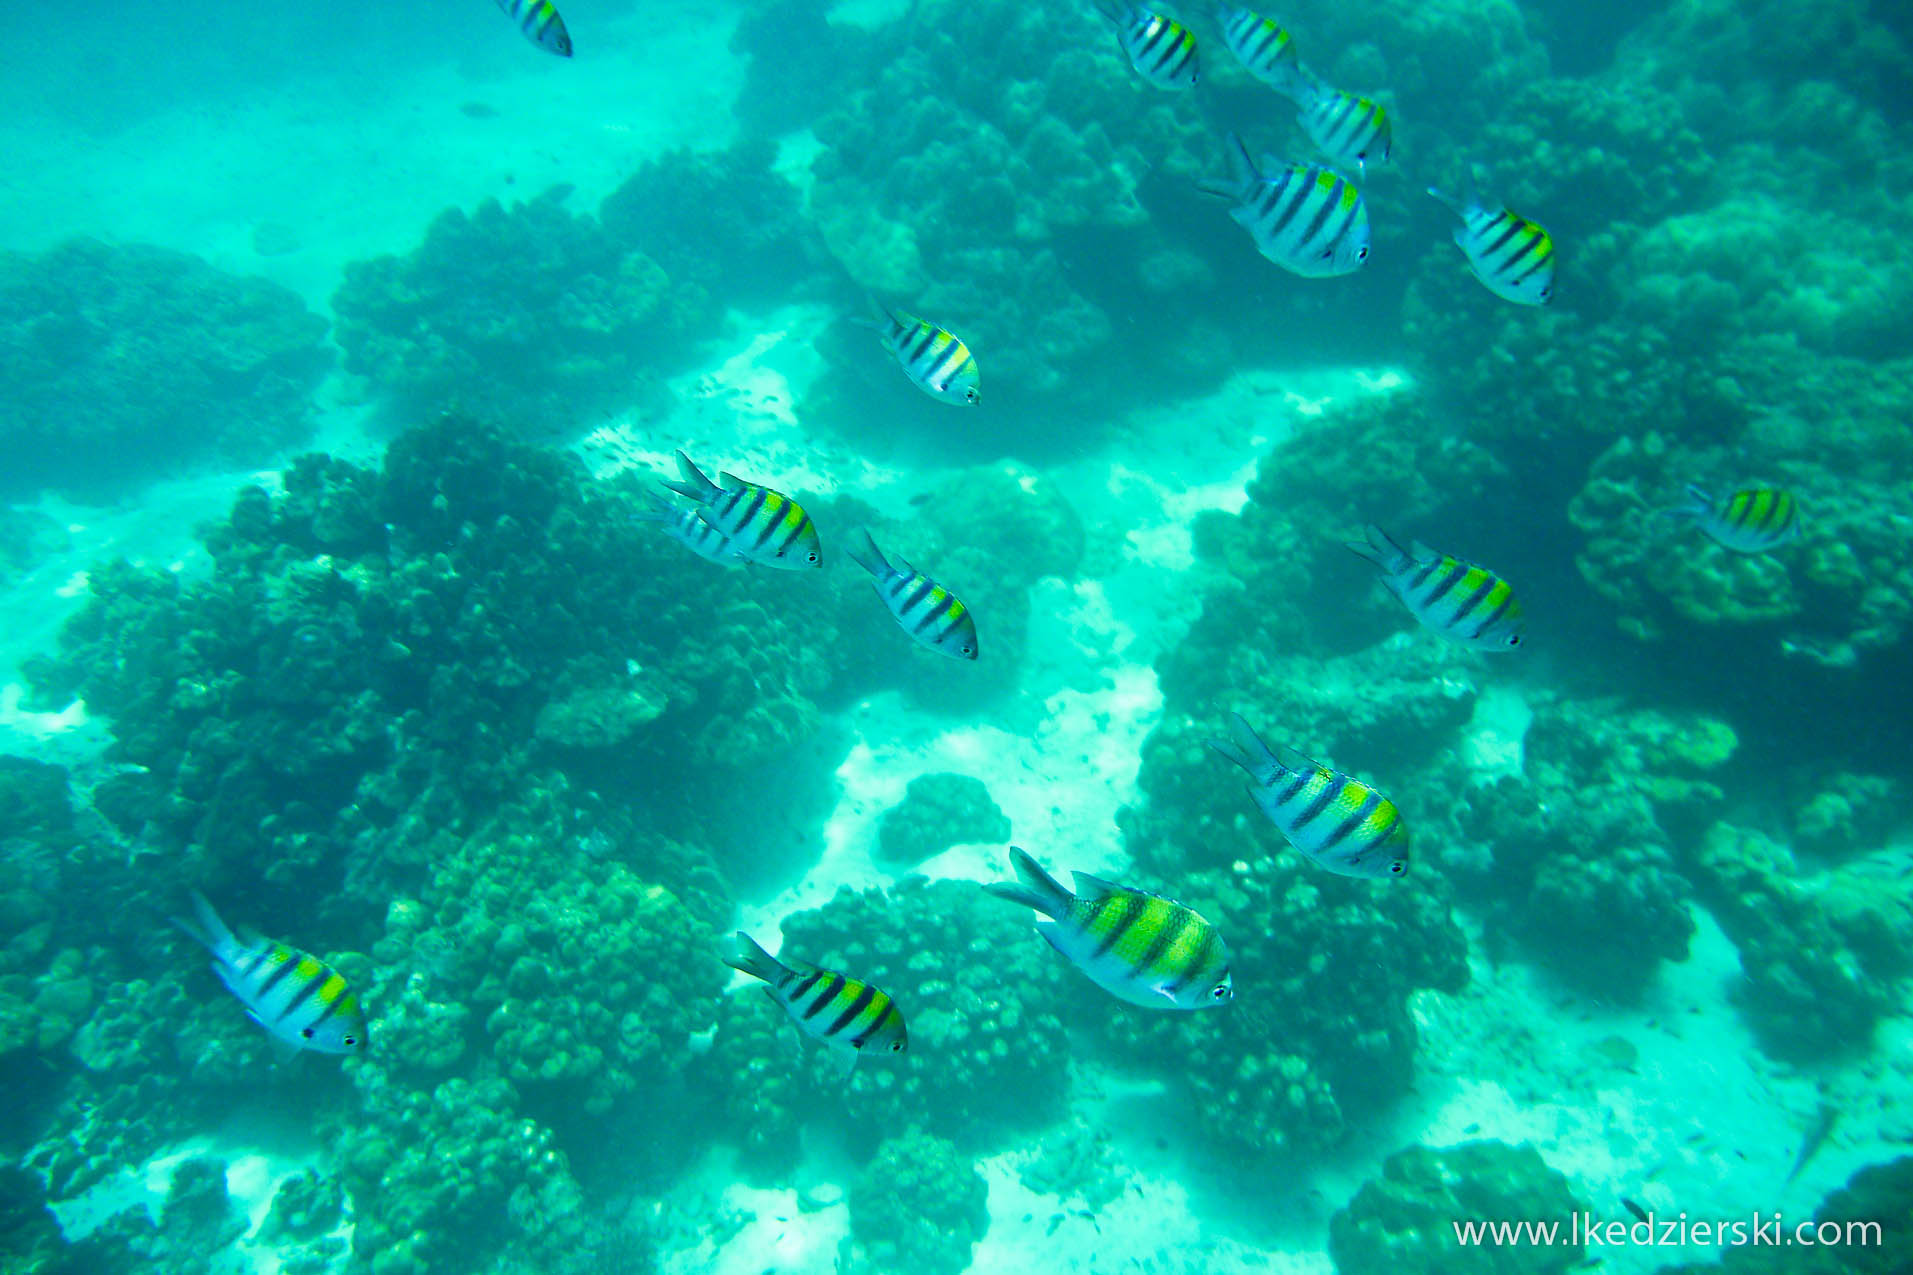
[598, 716]
[126, 361]
[918, 1206]
[938, 811]
[1404, 1220]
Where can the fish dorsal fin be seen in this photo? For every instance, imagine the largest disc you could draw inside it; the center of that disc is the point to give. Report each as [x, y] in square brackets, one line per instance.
[1092, 887]
[729, 479]
[1421, 553]
[1298, 762]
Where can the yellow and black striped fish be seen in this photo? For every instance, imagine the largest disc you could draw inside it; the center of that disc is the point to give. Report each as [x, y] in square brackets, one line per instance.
[1459, 600]
[540, 23]
[1265, 50]
[1752, 521]
[1332, 820]
[927, 611]
[825, 1005]
[300, 1001]
[935, 360]
[688, 528]
[1141, 947]
[1160, 48]
[1347, 128]
[1305, 218]
[1512, 256]
[759, 525]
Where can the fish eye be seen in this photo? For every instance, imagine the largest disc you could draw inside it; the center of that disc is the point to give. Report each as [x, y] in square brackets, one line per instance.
[897, 1048]
[1361, 254]
[967, 650]
[1220, 991]
[811, 557]
[1514, 639]
[1397, 867]
[351, 1040]
[307, 1033]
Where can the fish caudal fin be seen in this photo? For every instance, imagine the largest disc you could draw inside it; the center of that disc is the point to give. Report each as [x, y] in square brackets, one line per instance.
[207, 929]
[1242, 173]
[1033, 887]
[1245, 748]
[1379, 549]
[691, 481]
[864, 553]
[1697, 505]
[749, 957]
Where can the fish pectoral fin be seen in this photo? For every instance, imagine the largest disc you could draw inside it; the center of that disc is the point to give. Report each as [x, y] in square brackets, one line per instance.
[849, 1065]
[283, 1051]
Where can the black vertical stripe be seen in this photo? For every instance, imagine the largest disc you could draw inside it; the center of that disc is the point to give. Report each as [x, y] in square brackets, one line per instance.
[929, 616]
[809, 981]
[305, 992]
[1501, 609]
[1172, 928]
[1131, 906]
[856, 1007]
[833, 985]
[1448, 582]
[1330, 791]
[1514, 228]
[1473, 600]
[1349, 824]
[273, 979]
[924, 585]
[771, 505]
[1198, 961]
[883, 1016]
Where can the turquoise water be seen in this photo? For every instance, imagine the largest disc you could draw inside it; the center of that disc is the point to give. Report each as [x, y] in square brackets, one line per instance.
[342, 354]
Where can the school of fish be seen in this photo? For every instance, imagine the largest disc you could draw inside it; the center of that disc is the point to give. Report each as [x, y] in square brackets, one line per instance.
[1141, 947]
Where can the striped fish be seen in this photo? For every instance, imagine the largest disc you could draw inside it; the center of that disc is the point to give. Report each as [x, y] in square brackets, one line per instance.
[936, 361]
[688, 528]
[1512, 256]
[761, 525]
[299, 1000]
[540, 23]
[1137, 946]
[1466, 603]
[1346, 128]
[927, 611]
[841, 1012]
[1265, 50]
[1336, 822]
[1752, 521]
[1305, 218]
[1160, 48]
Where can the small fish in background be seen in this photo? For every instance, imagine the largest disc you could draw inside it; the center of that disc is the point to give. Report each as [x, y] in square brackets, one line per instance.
[1160, 48]
[842, 1012]
[1463, 602]
[935, 360]
[1639, 1212]
[1264, 49]
[1512, 256]
[1139, 947]
[762, 525]
[1334, 821]
[540, 22]
[686, 525]
[1753, 521]
[1825, 1117]
[1346, 127]
[925, 609]
[299, 1000]
[1307, 219]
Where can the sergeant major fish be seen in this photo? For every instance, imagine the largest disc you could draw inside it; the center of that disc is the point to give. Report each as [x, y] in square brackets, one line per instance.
[1140, 947]
[1347, 128]
[1263, 48]
[1303, 217]
[1459, 600]
[540, 22]
[299, 1000]
[1160, 48]
[841, 1012]
[936, 361]
[1751, 521]
[1334, 821]
[1512, 256]
[925, 609]
[686, 525]
[764, 526]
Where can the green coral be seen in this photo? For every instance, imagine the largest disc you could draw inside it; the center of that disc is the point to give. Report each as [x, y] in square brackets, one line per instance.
[123, 361]
[917, 1205]
[1404, 1220]
[939, 811]
[531, 313]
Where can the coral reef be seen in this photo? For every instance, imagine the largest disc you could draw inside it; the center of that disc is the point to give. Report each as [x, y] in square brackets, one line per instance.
[1846, 1243]
[124, 362]
[528, 314]
[938, 811]
[1404, 1220]
[917, 1205]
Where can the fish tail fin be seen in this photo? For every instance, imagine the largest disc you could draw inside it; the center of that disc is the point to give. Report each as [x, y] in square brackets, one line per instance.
[749, 957]
[881, 319]
[1294, 81]
[691, 480]
[1379, 549]
[1242, 172]
[206, 928]
[1449, 201]
[661, 510]
[864, 552]
[1698, 504]
[1033, 887]
[1245, 748]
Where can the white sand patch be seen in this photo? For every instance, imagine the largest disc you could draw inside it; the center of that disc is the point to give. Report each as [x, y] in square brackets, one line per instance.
[1493, 738]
